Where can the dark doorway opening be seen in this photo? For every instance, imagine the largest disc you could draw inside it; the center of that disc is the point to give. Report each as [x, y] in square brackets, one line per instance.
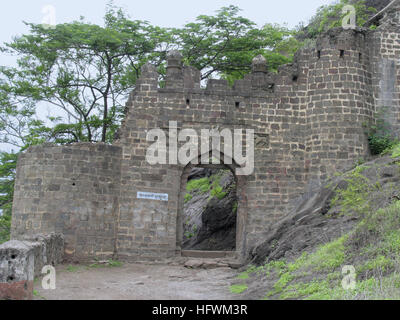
[210, 208]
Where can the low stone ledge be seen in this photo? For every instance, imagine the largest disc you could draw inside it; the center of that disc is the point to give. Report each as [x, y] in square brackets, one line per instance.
[16, 270]
[22, 260]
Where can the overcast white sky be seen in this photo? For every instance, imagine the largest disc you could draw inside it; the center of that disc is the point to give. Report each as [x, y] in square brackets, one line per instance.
[171, 13]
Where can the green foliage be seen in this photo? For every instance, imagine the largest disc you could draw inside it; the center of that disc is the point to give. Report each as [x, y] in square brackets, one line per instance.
[190, 234]
[205, 185]
[379, 234]
[378, 263]
[218, 192]
[5, 226]
[328, 257]
[83, 70]
[188, 197]
[396, 151]
[7, 175]
[379, 136]
[225, 44]
[238, 288]
[373, 247]
[202, 185]
[216, 189]
[354, 198]
[379, 288]
[331, 16]
[37, 294]
[235, 207]
[279, 266]
[243, 275]
[283, 281]
[314, 290]
[379, 143]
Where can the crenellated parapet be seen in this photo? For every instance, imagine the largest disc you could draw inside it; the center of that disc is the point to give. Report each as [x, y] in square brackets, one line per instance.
[308, 122]
[337, 43]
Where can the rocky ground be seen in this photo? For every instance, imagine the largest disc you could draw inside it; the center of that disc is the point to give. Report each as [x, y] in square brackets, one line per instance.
[318, 219]
[352, 220]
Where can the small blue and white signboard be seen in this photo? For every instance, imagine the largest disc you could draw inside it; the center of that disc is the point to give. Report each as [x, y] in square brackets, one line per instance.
[152, 196]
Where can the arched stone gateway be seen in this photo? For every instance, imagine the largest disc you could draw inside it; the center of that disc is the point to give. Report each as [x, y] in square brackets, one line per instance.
[240, 182]
[308, 122]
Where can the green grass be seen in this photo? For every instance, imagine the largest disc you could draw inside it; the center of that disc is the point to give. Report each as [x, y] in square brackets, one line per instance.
[116, 264]
[37, 294]
[238, 288]
[372, 247]
[310, 289]
[396, 151]
[72, 268]
[243, 276]
[355, 197]
[110, 264]
[328, 257]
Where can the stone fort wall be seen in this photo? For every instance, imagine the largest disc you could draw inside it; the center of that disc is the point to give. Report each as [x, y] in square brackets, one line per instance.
[384, 48]
[71, 190]
[309, 121]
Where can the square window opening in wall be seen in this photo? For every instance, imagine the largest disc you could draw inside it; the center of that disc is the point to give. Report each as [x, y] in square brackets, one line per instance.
[237, 104]
[295, 78]
[341, 53]
[319, 54]
[188, 102]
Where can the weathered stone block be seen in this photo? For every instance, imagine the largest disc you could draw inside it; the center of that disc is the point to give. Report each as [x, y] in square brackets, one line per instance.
[16, 270]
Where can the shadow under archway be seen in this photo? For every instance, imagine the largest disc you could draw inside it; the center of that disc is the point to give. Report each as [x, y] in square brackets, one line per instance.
[209, 213]
[239, 208]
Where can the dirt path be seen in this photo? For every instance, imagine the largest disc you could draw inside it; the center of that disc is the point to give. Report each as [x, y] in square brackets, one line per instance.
[139, 282]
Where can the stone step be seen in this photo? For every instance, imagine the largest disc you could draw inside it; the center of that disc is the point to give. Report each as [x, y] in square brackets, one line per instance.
[208, 254]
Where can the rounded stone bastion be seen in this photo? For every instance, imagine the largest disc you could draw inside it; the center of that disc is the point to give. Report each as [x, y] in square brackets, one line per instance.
[71, 190]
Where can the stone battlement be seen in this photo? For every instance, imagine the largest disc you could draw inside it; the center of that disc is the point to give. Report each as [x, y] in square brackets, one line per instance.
[261, 82]
[308, 119]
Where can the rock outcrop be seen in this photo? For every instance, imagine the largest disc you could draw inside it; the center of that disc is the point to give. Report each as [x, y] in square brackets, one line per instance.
[317, 219]
[210, 221]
